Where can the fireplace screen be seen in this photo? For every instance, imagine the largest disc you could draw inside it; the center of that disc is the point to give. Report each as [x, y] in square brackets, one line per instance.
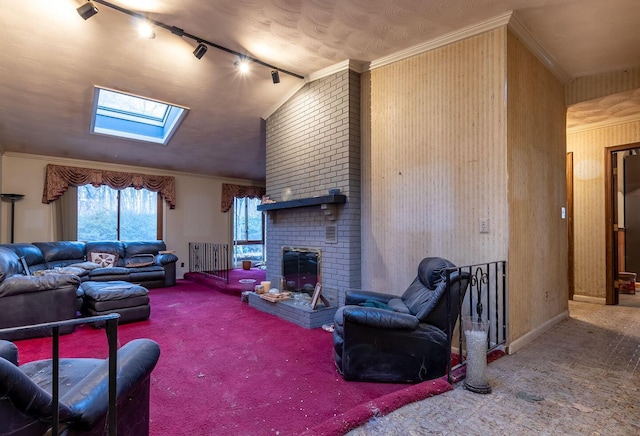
[300, 268]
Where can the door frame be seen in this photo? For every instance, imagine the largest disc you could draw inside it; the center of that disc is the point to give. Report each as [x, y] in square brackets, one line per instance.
[611, 236]
[570, 235]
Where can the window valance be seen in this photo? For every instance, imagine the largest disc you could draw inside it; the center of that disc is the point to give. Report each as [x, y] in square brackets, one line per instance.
[58, 179]
[229, 192]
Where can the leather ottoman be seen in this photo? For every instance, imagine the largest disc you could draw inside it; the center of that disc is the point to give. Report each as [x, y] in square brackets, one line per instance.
[131, 301]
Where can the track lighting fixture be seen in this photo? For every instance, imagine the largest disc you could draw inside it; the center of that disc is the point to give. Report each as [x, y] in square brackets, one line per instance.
[87, 10]
[146, 31]
[200, 50]
[242, 65]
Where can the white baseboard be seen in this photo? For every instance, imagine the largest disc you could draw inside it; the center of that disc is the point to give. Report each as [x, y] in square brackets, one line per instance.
[587, 299]
[533, 334]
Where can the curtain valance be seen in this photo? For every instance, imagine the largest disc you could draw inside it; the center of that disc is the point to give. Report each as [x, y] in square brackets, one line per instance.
[59, 178]
[229, 192]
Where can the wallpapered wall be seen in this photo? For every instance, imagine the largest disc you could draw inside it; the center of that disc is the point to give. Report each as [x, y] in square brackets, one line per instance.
[434, 160]
[538, 234]
[589, 202]
[439, 155]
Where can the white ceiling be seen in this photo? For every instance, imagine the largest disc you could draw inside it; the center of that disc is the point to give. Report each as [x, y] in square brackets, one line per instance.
[50, 60]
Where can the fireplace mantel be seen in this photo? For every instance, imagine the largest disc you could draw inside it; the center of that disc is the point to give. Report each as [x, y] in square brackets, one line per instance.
[304, 202]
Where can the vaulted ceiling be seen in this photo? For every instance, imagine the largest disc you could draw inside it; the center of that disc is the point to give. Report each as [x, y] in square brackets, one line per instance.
[51, 59]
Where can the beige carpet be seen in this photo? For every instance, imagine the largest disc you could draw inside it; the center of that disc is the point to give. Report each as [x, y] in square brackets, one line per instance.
[580, 378]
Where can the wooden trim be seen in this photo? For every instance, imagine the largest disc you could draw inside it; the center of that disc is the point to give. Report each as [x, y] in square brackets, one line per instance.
[611, 235]
[570, 235]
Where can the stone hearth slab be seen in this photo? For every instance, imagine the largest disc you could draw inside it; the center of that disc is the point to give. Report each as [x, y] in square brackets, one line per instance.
[288, 310]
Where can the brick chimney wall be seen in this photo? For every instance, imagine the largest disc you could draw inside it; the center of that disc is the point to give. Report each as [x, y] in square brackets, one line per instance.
[313, 145]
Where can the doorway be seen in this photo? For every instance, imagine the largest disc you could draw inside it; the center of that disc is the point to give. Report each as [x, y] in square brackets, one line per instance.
[623, 222]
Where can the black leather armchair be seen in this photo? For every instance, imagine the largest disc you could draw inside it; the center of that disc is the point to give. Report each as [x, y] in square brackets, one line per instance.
[26, 401]
[391, 338]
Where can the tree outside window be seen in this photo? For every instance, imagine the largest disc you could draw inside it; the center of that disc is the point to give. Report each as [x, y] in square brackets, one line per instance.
[106, 214]
[248, 231]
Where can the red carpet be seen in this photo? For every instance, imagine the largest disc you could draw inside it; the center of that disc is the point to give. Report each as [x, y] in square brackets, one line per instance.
[226, 368]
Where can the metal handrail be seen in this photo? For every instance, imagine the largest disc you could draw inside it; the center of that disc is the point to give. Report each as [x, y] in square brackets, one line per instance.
[111, 329]
[487, 300]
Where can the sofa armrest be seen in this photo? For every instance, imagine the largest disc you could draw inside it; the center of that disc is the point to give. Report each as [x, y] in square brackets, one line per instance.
[19, 284]
[88, 400]
[356, 297]
[166, 258]
[9, 351]
[24, 394]
[379, 318]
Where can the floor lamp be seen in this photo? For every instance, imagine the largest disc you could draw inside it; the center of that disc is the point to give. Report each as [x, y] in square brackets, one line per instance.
[12, 198]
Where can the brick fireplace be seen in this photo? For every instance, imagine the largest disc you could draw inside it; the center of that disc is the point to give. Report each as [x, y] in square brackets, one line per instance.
[312, 147]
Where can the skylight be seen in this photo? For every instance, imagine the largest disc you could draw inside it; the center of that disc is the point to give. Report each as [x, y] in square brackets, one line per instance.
[117, 113]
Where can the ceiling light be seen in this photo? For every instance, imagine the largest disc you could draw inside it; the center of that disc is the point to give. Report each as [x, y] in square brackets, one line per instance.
[200, 50]
[146, 31]
[242, 65]
[275, 76]
[87, 10]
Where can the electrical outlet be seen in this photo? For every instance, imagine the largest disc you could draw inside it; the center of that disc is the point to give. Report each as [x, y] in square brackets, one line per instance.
[484, 225]
[181, 264]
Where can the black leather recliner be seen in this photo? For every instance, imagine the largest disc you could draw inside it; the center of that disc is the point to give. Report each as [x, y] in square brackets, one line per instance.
[390, 338]
[26, 401]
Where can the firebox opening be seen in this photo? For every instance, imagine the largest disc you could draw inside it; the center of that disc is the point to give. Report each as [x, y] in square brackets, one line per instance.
[300, 268]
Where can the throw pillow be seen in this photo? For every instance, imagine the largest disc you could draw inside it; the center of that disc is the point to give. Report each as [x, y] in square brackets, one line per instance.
[140, 260]
[105, 260]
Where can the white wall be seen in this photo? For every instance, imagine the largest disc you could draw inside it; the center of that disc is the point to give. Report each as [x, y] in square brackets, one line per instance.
[196, 218]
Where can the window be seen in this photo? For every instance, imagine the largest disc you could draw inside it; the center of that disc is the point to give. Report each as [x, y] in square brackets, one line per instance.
[129, 116]
[248, 230]
[106, 214]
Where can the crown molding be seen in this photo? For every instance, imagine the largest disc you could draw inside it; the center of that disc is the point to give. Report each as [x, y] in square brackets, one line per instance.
[612, 122]
[449, 38]
[517, 26]
[510, 19]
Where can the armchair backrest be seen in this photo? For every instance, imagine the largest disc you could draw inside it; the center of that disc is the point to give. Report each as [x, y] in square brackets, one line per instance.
[456, 288]
[423, 295]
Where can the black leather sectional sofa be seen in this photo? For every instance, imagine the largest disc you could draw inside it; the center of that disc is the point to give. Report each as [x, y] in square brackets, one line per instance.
[40, 281]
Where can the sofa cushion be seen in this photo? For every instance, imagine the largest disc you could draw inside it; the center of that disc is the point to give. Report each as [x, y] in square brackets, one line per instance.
[9, 264]
[61, 251]
[133, 248]
[89, 266]
[31, 253]
[398, 305]
[115, 270]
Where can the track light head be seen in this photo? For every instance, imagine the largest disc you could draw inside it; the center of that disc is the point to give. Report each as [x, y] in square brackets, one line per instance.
[200, 50]
[145, 30]
[242, 64]
[275, 76]
[87, 10]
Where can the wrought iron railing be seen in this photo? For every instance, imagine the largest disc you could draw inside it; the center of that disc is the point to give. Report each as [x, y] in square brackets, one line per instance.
[485, 300]
[209, 259]
[111, 329]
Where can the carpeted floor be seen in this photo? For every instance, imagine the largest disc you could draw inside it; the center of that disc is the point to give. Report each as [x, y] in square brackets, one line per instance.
[226, 368]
